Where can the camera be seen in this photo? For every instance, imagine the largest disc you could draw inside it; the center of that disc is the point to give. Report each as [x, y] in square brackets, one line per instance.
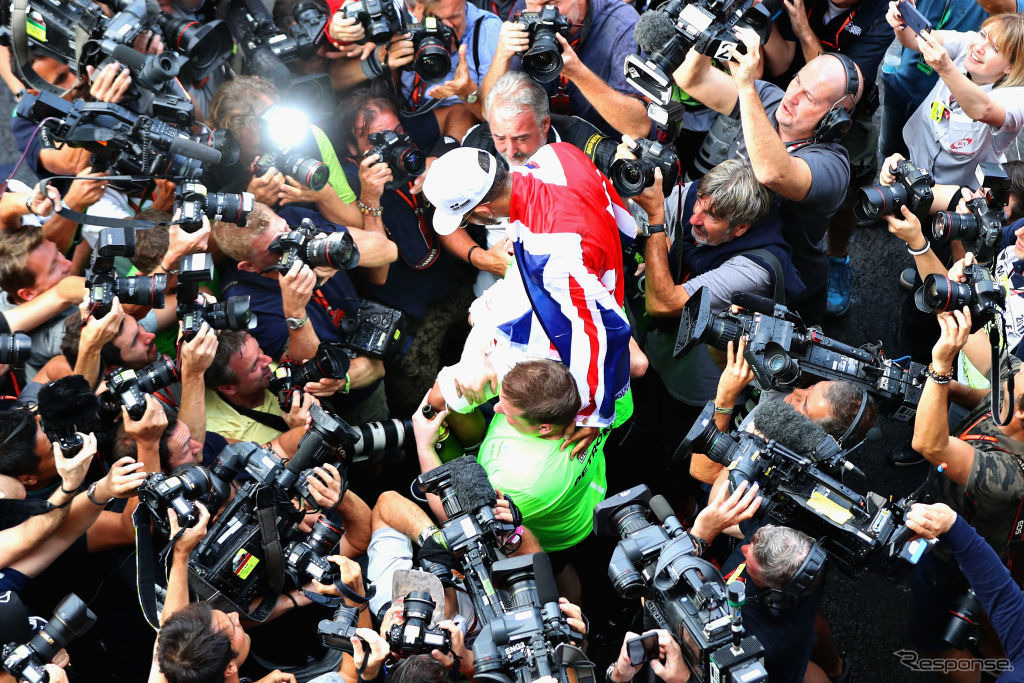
[15, 349]
[375, 330]
[195, 202]
[414, 636]
[979, 231]
[783, 351]
[542, 61]
[130, 386]
[337, 632]
[179, 491]
[631, 176]
[378, 17]
[331, 362]
[230, 314]
[27, 662]
[961, 628]
[206, 46]
[708, 26]
[309, 172]
[912, 188]
[400, 153]
[145, 290]
[432, 44]
[336, 250]
[306, 560]
[985, 297]
[683, 593]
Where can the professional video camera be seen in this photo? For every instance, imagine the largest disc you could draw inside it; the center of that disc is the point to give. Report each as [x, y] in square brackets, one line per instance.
[375, 330]
[104, 285]
[180, 491]
[331, 361]
[801, 490]
[129, 387]
[912, 188]
[414, 635]
[542, 61]
[378, 17]
[632, 176]
[985, 297]
[472, 533]
[307, 559]
[783, 351]
[193, 309]
[27, 662]
[400, 153]
[206, 45]
[194, 202]
[708, 26]
[432, 43]
[67, 409]
[336, 250]
[682, 593]
[531, 639]
[120, 141]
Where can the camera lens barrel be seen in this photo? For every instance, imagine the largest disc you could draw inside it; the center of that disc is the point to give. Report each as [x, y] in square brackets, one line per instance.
[543, 61]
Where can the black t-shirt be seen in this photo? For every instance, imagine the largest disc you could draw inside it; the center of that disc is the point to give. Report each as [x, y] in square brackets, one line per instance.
[861, 33]
[571, 129]
[23, 131]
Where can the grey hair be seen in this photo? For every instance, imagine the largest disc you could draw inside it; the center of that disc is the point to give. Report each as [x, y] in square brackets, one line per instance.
[735, 194]
[779, 551]
[514, 93]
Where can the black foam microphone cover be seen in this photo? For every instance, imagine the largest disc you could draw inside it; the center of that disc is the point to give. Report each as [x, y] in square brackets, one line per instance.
[753, 302]
[653, 30]
[472, 487]
[780, 421]
[68, 403]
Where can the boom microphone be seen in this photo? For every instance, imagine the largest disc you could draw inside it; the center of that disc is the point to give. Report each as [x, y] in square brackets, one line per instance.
[666, 515]
[194, 150]
[781, 422]
[653, 30]
[470, 484]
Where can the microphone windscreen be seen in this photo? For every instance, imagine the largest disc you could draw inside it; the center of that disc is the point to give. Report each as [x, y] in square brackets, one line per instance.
[653, 30]
[68, 403]
[780, 421]
[753, 302]
[661, 509]
[470, 483]
[194, 150]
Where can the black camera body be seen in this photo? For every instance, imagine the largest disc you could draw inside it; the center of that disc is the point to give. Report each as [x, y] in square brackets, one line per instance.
[783, 352]
[131, 386]
[683, 593]
[307, 559]
[378, 17]
[193, 310]
[632, 176]
[432, 43]
[980, 230]
[912, 188]
[415, 636]
[337, 632]
[331, 361]
[194, 202]
[336, 250]
[542, 61]
[375, 330]
[27, 662]
[400, 153]
[104, 285]
[983, 296]
[179, 491]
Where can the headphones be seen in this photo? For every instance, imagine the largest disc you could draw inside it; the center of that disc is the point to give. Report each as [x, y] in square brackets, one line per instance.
[837, 121]
[858, 418]
[807, 579]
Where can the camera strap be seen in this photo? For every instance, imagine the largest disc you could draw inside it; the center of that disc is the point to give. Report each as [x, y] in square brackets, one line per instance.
[103, 221]
[19, 48]
[426, 232]
[266, 419]
[995, 336]
[145, 566]
[266, 515]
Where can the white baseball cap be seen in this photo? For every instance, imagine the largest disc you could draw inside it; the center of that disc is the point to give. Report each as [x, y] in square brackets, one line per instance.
[455, 184]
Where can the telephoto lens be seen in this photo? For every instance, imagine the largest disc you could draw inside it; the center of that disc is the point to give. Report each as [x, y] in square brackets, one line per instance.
[336, 250]
[950, 225]
[310, 172]
[432, 43]
[15, 349]
[145, 290]
[939, 294]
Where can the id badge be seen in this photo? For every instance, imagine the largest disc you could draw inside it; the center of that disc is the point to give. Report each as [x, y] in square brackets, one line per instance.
[924, 67]
[938, 111]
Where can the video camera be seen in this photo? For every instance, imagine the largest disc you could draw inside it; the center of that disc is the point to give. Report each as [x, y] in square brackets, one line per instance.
[120, 140]
[194, 202]
[983, 296]
[632, 176]
[783, 352]
[800, 489]
[707, 26]
[27, 662]
[130, 387]
[682, 593]
[912, 188]
[400, 153]
[432, 43]
[542, 61]
[336, 250]
[179, 491]
[193, 310]
[378, 18]
[331, 361]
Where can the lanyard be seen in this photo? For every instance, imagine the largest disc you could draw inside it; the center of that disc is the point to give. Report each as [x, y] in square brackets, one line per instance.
[428, 234]
[336, 315]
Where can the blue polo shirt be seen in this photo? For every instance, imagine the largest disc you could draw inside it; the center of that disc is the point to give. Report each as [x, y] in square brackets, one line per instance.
[480, 39]
[604, 42]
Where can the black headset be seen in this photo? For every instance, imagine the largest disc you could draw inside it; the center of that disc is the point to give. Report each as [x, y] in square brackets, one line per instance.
[837, 121]
[807, 578]
[858, 418]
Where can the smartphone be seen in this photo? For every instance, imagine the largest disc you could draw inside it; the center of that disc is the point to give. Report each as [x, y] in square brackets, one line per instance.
[914, 20]
[643, 648]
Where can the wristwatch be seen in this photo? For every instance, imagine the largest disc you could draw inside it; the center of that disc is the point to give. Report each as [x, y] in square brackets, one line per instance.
[472, 97]
[91, 493]
[296, 323]
[648, 229]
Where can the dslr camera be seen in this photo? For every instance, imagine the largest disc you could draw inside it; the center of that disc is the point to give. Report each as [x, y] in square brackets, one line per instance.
[130, 386]
[400, 153]
[104, 284]
[338, 631]
[375, 330]
[632, 176]
[982, 295]
[179, 491]
[542, 61]
[415, 636]
[195, 202]
[231, 314]
[309, 172]
[979, 230]
[378, 17]
[912, 188]
[336, 250]
[282, 131]
[307, 559]
[28, 662]
[331, 362]
[432, 43]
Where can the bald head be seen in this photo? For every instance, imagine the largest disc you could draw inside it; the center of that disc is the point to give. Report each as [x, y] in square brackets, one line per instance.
[811, 95]
[835, 73]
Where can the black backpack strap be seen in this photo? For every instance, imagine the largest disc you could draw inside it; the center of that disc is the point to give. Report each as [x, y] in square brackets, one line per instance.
[476, 42]
[266, 513]
[266, 419]
[771, 261]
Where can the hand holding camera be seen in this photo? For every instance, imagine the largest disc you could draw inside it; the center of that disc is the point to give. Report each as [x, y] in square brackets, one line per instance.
[296, 289]
[458, 649]
[73, 470]
[266, 186]
[931, 521]
[197, 354]
[123, 480]
[954, 329]
[513, 39]
[746, 61]
[100, 330]
[371, 648]
[191, 536]
[151, 427]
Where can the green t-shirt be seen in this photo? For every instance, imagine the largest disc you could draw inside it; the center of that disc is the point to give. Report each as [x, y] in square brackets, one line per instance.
[555, 493]
[337, 178]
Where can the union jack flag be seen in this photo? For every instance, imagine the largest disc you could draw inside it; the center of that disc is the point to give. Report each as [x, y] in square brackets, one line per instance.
[565, 223]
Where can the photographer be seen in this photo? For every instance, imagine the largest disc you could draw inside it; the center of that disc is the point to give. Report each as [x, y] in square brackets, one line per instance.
[669, 666]
[784, 142]
[592, 84]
